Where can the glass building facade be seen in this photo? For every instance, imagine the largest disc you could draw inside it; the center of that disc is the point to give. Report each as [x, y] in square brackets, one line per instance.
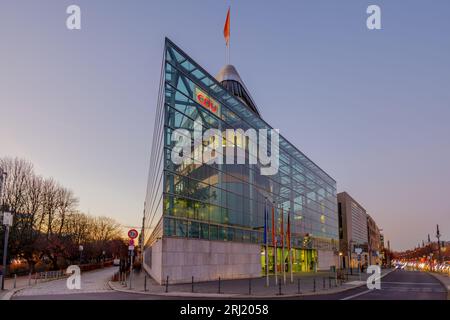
[226, 202]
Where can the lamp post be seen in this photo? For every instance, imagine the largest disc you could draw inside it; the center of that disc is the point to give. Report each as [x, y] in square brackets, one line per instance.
[81, 248]
[3, 177]
[438, 236]
[7, 222]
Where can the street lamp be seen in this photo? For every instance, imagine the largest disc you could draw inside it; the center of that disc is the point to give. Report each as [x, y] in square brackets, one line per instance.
[80, 248]
[3, 176]
[7, 222]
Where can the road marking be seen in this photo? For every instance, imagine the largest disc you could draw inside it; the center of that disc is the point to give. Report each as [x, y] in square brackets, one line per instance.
[356, 295]
[414, 283]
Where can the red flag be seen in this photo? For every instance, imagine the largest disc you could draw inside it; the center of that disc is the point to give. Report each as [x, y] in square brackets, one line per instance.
[226, 28]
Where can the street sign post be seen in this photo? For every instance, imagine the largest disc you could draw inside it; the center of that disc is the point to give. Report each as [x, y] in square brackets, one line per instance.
[7, 222]
[133, 234]
[358, 252]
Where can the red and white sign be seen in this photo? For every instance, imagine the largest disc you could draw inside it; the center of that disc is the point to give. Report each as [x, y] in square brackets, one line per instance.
[132, 234]
[206, 101]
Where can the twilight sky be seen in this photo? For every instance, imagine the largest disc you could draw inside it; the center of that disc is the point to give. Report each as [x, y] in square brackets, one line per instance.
[371, 108]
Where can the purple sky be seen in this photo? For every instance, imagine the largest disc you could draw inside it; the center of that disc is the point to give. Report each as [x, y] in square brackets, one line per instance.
[372, 108]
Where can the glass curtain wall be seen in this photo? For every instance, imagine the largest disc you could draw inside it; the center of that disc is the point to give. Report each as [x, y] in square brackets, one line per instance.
[227, 202]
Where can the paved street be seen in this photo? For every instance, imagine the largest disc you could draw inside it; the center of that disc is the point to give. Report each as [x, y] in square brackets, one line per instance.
[91, 282]
[398, 285]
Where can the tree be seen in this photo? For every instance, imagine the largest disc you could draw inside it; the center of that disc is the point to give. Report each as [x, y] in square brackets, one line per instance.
[47, 224]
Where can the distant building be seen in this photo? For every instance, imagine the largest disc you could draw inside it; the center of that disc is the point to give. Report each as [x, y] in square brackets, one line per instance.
[374, 243]
[353, 231]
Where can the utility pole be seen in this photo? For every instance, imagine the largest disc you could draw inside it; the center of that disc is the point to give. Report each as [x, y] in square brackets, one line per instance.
[438, 236]
[142, 239]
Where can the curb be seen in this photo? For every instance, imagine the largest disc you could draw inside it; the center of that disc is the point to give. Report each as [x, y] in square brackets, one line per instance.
[236, 295]
[446, 286]
[8, 295]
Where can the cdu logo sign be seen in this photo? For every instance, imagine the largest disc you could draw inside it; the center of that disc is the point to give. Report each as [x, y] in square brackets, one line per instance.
[374, 280]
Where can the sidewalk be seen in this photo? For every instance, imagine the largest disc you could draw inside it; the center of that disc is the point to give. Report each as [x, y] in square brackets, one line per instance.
[310, 284]
[13, 285]
[444, 279]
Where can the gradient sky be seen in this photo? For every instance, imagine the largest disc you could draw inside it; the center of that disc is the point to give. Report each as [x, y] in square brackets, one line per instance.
[372, 108]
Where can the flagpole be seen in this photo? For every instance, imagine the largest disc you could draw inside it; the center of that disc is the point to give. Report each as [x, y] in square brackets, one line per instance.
[274, 224]
[266, 218]
[229, 41]
[290, 247]
[282, 244]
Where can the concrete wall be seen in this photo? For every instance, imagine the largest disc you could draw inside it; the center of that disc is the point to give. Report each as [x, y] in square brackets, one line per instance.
[155, 270]
[204, 260]
[326, 259]
[180, 259]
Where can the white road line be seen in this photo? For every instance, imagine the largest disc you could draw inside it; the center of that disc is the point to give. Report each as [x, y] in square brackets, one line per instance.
[357, 295]
[413, 283]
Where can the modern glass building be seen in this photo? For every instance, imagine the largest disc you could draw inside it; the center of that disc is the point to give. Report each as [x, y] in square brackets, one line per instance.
[207, 220]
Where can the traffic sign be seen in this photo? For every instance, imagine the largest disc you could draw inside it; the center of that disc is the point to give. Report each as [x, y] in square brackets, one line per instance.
[132, 234]
[131, 248]
[7, 219]
[358, 250]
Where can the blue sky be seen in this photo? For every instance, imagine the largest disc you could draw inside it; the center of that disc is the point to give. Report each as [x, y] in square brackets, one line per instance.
[372, 108]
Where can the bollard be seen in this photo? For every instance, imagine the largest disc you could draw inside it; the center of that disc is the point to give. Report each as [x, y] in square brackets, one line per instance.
[29, 279]
[145, 283]
[329, 283]
[167, 284]
[314, 285]
[279, 288]
[298, 286]
[45, 276]
[249, 287]
[35, 278]
[15, 278]
[219, 287]
[323, 280]
[192, 289]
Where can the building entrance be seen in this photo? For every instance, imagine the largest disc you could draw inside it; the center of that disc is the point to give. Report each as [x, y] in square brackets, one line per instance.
[303, 260]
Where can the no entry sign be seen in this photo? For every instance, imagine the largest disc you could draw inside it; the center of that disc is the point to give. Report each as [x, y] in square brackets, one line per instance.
[132, 234]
